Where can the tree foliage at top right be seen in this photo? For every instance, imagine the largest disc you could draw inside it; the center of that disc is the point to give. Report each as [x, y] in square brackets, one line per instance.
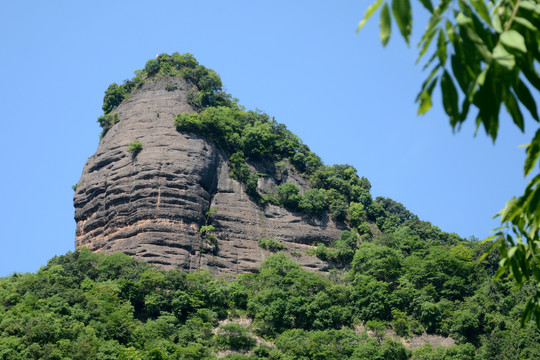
[485, 55]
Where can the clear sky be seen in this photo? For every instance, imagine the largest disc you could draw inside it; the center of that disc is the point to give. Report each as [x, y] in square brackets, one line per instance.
[348, 98]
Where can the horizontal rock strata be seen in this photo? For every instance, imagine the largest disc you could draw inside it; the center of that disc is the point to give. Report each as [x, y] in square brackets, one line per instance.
[152, 205]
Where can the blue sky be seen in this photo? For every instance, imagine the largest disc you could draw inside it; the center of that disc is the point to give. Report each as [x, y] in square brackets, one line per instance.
[348, 98]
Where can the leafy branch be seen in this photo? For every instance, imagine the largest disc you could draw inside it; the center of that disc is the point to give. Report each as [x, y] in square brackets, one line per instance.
[485, 55]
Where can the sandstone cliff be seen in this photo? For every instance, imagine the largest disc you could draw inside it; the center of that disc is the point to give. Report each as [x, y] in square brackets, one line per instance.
[152, 205]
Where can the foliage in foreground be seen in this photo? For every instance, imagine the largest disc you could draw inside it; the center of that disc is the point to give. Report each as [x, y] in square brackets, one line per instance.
[91, 306]
[490, 50]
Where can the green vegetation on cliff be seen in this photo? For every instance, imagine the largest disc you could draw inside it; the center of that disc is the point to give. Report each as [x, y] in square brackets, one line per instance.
[248, 136]
[206, 92]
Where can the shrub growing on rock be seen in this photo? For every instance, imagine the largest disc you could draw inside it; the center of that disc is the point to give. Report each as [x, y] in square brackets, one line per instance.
[134, 147]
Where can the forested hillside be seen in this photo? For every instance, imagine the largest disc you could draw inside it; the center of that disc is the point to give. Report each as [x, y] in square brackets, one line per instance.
[401, 284]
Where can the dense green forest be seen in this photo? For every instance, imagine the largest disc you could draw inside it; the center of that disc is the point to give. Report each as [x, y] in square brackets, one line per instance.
[400, 284]
[393, 278]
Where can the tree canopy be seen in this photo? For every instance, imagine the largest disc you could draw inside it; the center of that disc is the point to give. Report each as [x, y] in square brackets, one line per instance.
[84, 305]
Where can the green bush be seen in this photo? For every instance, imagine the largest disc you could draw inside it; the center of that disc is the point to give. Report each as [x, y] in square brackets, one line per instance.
[207, 233]
[340, 252]
[251, 184]
[357, 213]
[394, 350]
[338, 209]
[321, 252]
[194, 98]
[400, 324]
[364, 230]
[234, 336]
[271, 244]
[170, 86]
[378, 328]
[152, 67]
[106, 122]
[114, 95]
[134, 147]
[239, 169]
[288, 195]
[383, 263]
[314, 202]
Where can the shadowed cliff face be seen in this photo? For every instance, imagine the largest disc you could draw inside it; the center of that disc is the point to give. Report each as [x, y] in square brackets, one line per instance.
[153, 205]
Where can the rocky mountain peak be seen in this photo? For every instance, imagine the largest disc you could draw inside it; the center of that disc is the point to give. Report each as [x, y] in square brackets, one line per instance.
[172, 200]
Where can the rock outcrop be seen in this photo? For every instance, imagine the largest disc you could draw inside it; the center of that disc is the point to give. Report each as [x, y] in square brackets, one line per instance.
[152, 205]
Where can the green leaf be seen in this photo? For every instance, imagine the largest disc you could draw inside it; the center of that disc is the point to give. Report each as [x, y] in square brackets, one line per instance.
[521, 256]
[430, 61]
[482, 10]
[536, 269]
[441, 47]
[512, 107]
[470, 35]
[427, 4]
[370, 10]
[526, 23]
[463, 20]
[496, 22]
[385, 25]
[514, 40]
[516, 272]
[510, 210]
[403, 16]
[450, 98]
[459, 67]
[425, 98]
[527, 312]
[450, 31]
[489, 250]
[429, 33]
[530, 73]
[488, 100]
[512, 251]
[503, 57]
[499, 273]
[532, 204]
[425, 41]
[533, 151]
[530, 5]
[428, 80]
[479, 81]
[425, 103]
[526, 98]
[530, 200]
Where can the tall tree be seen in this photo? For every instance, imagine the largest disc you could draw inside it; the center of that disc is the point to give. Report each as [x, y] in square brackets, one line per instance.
[485, 55]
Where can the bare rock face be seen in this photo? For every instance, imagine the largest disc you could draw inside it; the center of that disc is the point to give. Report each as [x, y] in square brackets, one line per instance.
[152, 205]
